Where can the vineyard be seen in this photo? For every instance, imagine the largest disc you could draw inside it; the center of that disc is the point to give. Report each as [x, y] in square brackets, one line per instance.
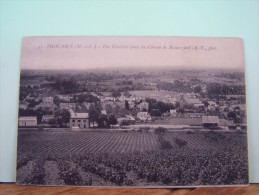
[131, 158]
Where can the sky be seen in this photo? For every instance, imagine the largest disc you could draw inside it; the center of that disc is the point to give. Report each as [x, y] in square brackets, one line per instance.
[145, 52]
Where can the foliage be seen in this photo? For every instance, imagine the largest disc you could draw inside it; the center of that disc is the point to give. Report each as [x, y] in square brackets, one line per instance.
[164, 144]
[116, 94]
[197, 89]
[112, 120]
[62, 116]
[204, 161]
[155, 113]
[103, 121]
[65, 86]
[94, 112]
[126, 105]
[160, 130]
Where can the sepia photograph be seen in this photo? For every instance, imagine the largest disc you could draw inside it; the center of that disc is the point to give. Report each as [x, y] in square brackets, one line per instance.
[132, 111]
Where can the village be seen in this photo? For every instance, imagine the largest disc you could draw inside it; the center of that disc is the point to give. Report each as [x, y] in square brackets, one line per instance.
[143, 102]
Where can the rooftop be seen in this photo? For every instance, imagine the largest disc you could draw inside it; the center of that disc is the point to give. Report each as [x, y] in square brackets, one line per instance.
[210, 119]
[79, 115]
[28, 118]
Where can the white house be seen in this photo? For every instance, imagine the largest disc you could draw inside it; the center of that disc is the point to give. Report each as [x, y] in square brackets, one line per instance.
[27, 121]
[144, 116]
[78, 120]
[173, 112]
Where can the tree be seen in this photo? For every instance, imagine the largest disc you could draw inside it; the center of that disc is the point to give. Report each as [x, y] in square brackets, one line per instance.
[126, 94]
[112, 120]
[160, 130]
[116, 94]
[155, 112]
[126, 105]
[178, 84]
[102, 121]
[109, 109]
[232, 115]
[56, 100]
[94, 112]
[197, 89]
[62, 116]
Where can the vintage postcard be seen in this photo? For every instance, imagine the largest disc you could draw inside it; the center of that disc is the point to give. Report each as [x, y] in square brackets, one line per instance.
[132, 111]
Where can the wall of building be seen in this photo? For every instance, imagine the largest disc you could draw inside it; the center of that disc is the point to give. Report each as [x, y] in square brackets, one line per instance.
[81, 123]
[24, 123]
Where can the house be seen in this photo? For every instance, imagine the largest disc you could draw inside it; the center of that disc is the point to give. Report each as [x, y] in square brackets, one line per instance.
[173, 113]
[210, 121]
[23, 105]
[104, 112]
[126, 120]
[27, 121]
[235, 97]
[67, 106]
[241, 107]
[143, 106]
[86, 105]
[198, 105]
[47, 118]
[78, 120]
[193, 115]
[144, 116]
[65, 98]
[108, 98]
[47, 100]
[194, 101]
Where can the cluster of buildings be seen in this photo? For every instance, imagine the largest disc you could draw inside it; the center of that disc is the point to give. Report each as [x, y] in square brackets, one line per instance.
[194, 107]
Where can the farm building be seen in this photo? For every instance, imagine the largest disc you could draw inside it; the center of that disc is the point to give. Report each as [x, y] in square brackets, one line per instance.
[27, 121]
[78, 120]
[210, 121]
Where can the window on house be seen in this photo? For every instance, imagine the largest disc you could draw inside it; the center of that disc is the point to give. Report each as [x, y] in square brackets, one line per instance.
[84, 121]
[79, 121]
[73, 121]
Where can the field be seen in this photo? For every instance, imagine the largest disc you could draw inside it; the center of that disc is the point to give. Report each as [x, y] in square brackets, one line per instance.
[131, 158]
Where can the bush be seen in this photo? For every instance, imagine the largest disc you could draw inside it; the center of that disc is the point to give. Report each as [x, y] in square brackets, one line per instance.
[160, 130]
